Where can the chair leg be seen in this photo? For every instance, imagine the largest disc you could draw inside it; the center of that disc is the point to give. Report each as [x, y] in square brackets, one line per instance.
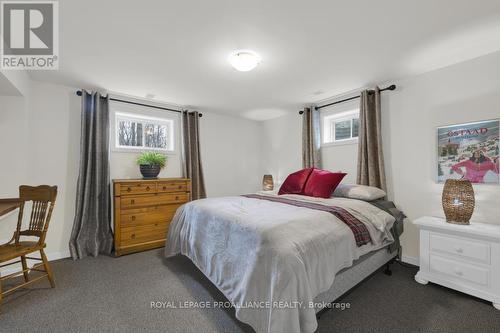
[25, 267]
[48, 269]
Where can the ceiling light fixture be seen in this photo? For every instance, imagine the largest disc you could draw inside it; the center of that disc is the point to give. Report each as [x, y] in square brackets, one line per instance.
[244, 60]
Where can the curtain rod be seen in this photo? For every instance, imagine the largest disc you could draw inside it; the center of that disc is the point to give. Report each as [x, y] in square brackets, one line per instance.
[79, 93]
[391, 87]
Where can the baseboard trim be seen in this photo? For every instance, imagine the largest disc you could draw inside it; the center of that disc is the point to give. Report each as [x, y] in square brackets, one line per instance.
[50, 256]
[410, 260]
[58, 255]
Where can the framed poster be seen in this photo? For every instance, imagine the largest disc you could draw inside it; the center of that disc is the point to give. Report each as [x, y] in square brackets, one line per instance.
[469, 151]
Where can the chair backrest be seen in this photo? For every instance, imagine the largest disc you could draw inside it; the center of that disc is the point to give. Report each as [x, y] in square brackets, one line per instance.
[43, 198]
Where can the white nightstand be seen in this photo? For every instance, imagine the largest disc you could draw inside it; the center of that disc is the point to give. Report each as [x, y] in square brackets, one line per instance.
[462, 257]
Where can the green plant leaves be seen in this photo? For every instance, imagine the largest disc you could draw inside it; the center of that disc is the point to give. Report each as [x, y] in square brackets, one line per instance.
[152, 158]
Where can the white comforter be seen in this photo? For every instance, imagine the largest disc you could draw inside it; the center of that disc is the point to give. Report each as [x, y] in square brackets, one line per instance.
[259, 253]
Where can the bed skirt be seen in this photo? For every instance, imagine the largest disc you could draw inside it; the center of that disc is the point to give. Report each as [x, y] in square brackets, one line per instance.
[350, 277]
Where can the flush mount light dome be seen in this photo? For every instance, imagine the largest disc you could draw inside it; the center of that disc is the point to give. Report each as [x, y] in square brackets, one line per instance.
[244, 60]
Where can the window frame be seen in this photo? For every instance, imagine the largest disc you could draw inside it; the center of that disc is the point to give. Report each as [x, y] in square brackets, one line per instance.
[330, 119]
[170, 122]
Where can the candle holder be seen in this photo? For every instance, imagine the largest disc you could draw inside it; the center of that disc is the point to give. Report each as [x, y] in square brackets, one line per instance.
[458, 201]
[267, 183]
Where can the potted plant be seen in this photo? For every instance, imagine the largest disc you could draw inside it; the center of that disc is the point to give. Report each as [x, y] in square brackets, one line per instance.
[150, 164]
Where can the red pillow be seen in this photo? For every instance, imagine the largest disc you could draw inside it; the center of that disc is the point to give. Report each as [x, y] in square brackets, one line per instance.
[295, 182]
[322, 183]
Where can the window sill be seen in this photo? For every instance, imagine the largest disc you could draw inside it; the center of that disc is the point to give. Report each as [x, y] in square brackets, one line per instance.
[340, 143]
[141, 150]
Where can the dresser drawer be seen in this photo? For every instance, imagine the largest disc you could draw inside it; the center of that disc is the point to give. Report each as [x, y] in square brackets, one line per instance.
[173, 187]
[149, 215]
[152, 200]
[144, 233]
[137, 188]
[460, 271]
[463, 248]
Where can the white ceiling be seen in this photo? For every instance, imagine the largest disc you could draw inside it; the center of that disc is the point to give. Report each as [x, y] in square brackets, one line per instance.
[311, 50]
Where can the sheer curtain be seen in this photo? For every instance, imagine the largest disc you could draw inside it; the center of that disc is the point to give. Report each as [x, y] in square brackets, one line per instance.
[91, 232]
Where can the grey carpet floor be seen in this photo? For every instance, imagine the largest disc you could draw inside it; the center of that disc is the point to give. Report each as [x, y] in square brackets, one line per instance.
[107, 294]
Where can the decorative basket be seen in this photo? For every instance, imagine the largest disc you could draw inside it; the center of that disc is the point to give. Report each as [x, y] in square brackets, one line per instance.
[458, 201]
[267, 183]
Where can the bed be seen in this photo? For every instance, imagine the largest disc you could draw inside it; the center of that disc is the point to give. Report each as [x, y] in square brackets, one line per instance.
[277, 259]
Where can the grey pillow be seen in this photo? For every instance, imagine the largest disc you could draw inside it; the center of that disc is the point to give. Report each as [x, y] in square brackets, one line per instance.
[360, 192]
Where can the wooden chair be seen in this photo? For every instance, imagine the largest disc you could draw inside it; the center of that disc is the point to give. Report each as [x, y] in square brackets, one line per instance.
[43, 198]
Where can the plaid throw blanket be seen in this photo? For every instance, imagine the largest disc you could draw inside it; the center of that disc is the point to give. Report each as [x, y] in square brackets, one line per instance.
[361, 234]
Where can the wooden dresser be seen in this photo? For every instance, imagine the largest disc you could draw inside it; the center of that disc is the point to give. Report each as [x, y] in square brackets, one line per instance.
[143, 210]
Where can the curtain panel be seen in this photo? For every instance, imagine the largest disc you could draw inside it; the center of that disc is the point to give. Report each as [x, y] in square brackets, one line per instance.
[371, 169]
[192, 167]
[92, 232]
[311, 137]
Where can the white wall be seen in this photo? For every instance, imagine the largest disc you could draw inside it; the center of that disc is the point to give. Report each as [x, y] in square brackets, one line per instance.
[282, 146]
[464, 92]
[236, 152]
[230, 149]
[340, 156]
[47, 152]
[13, 120]
[54, 150]
[48, 120]
[231, 154]
[123, 163]
[14, 136]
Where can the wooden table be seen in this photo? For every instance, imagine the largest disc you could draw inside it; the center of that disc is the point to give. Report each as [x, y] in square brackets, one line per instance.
[8, 205]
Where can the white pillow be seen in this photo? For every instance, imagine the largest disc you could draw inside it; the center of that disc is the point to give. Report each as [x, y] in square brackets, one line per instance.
[360, 192]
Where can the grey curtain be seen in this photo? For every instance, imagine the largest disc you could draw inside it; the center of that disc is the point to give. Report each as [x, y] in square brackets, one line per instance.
[371, 170]
[191, 151]
[311, 137]
[91, 232]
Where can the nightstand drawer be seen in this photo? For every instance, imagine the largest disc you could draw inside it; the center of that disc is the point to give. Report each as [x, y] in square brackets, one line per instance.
[463, 248]
[460, 271]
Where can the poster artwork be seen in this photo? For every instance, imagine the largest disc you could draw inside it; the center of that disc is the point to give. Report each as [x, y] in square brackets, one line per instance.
[469, 151]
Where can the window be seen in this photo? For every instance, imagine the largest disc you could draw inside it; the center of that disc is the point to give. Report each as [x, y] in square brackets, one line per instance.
[140, 132]
[341, 127]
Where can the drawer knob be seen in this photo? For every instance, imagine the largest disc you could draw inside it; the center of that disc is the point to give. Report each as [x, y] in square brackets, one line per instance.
[459, 249]
[132, 236]
[180, 186]
[132, 201]
[133, 217]
[176, 198]
[147, 188]
[129, 189]
[458, 272]
[164, 187]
